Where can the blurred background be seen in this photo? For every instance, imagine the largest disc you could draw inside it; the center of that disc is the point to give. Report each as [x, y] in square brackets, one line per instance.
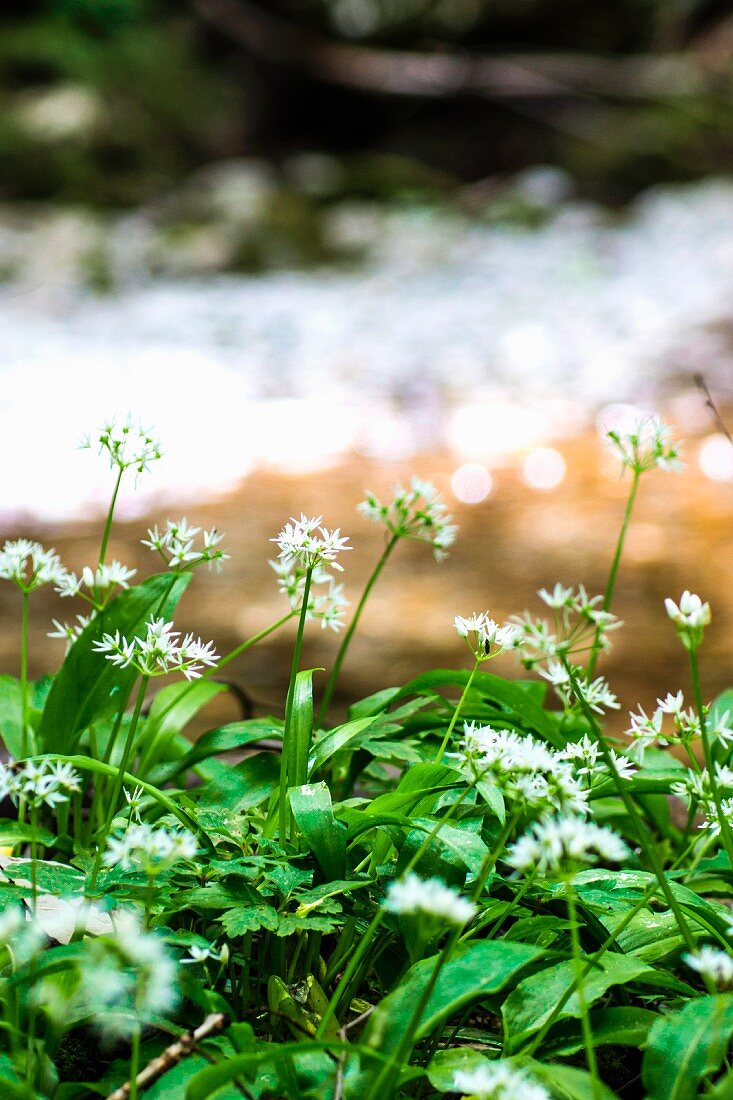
[324, 244]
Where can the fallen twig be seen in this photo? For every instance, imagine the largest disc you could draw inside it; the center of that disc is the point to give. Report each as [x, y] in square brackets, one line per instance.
[172, 1055]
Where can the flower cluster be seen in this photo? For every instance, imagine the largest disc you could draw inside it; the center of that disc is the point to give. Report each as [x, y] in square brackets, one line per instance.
[159, 651]
[484, 637]
[430, 897]
[308, 543]
[20, 935]
[198, 955]
[176, 545]
[579, 624]
[29, 566]
[414, 513]
[38, 782]
[589, 764]
[562, 844]
[326, 600]
[646, 445]
[522, 767]
[128, 445]
[715, 965]
[690, 618]
[69, 632]
[498, 1081]
[144, 848]
[647, 730]
[96, 585]
[697, 790]
[572, 685]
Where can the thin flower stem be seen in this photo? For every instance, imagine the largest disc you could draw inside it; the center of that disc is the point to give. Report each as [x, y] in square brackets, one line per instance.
[110, 516]
[448, 733]
[24, 730]
[283, 809]
[725, 830]
[648, 849]
[343, 648]
[590, 1053]
[613, 573]
[127, 751]
[134, 1061]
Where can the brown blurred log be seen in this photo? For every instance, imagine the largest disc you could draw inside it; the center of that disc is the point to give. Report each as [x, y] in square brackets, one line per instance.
[409, 73]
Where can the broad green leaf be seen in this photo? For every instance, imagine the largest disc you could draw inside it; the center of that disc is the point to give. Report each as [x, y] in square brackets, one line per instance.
[619, 1025]
[249, 918]
[10, 731]
[515, 697]
[569, 1083]
[530, 1005]
[446, 1063]
[687, 1046]
[14, 832]
[416, 790]
[88, 686]
[373, 704]
[172, 709]
[472, 973]
[301, 728]
[235, 735]
[313, 811]
[346, 736]
[247, 785]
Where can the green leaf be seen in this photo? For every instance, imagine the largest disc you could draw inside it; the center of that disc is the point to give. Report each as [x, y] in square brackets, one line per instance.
[516, 698]
[569, 1083]
[235, 735]
[313, 812]
[472, 973]
[530, 1005]
[14, 832]
[446, 1063]
[249, 918]
[88, 686]
[619, 1025]
[348, 735]
[172, 709]
[685, 1047]
[10, 729]
[247, 785]
[301, 728]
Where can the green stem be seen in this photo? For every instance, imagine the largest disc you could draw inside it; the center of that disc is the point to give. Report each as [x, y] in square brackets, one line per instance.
[590, 1053]
[24, 731]
[343, 648]
[446, 740]
[127, 751]
[134, 1062]
[110, 515]
[613, 573]
[648, 849]
[283, 810]
[725, 831]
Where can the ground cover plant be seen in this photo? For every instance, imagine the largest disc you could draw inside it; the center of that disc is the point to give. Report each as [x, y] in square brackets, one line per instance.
[466, 888]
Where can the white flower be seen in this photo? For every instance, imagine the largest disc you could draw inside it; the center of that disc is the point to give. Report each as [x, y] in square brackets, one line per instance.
[20, 934]
[571, 685]
[159, 652]
[715, 965]
[720, 730]
[559, 597]
[145, 848]
[690, 618]
[69, 632]
[483, 634]
[672, 704]
[96, 585]
[587, 760]
[414, 513]
[176, 544]
[561, 843]
[310, 543]
[326, 601]
[198, 955]
[498, 1081]
[29, 566]
[430, 896]
[646, 445]
[38, 782]
[128, 444]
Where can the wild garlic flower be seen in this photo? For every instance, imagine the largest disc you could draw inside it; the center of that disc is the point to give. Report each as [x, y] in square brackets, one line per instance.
[38, 782]
[590, 765]
[176, 545]
[20, 934]
[522, 767]
[96, 585]
[124, 978]
[646, 730]
[128, 444]
[497, 1081]
[713, 964]
[696, 789]
[563, 844]
[134, 800]
[310, 544]
[69, 632]
[690, 618]
[198, 955]
[326, 601]
[29, 566]
[430, 897]
[414, 513]
[579, 622]
[572, 686]
[484, 637]
[646, 445]
[144, 848]
[159, 652]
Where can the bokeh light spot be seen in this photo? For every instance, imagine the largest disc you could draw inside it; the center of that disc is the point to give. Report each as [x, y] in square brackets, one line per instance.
[543, 468]
[471, 483]
[716, 458]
